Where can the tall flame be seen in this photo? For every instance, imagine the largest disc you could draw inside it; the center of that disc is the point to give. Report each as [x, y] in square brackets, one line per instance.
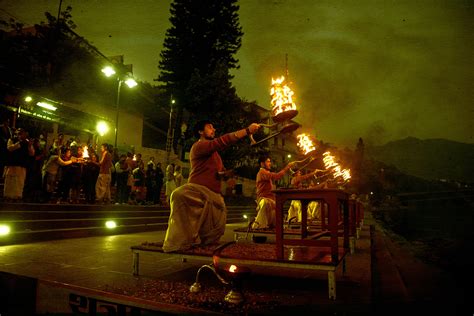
[85, 152]
[282, 96]
[328, 160]
[305, 144]
[337, 171]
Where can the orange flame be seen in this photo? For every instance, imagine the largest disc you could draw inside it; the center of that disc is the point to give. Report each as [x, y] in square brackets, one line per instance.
[282, 96]
[85, 152]
[329, 162]
[233, 268]
[305, 144]
[346, 174]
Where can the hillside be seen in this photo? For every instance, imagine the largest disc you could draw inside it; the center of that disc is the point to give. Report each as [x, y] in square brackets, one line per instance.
[429, 159]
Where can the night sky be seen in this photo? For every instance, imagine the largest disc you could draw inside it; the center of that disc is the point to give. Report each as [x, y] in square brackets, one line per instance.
[381, 70]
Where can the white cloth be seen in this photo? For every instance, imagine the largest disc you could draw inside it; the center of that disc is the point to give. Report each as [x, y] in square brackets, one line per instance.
[14, 182]
[295, 210]
[170, 187]
[314, 211]
[265, 213]
[178, 179]
[102, 187]
[198, 216]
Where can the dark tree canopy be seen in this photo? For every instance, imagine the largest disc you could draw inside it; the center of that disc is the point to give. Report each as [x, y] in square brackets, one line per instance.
[52, 60]
[198, 55]
[200, 46]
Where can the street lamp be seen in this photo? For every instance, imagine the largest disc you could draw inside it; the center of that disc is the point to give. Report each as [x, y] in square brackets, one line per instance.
[102, 128]
[130, 82]
[170, 135]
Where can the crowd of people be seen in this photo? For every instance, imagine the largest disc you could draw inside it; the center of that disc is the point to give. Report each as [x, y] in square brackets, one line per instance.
[65, 170]
[70, 172]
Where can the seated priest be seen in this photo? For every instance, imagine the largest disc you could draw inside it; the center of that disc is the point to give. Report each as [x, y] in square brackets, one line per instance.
[297, 182]
[198, 212]
[265, 198]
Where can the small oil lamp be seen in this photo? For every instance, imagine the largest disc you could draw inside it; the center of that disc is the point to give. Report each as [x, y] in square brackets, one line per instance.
[231, 275]
[235, 275]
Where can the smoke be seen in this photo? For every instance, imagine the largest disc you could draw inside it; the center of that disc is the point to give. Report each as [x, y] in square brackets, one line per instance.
[375, 69]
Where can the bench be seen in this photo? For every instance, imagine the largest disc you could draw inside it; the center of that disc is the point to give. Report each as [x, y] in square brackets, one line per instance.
[256, 254]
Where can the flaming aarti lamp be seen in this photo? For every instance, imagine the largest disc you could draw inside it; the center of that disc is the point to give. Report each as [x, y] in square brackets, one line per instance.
[85, 153]
[306, 146]
[335, 168]
[283, 110]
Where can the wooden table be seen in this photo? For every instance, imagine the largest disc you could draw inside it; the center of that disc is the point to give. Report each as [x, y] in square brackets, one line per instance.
[334, 198]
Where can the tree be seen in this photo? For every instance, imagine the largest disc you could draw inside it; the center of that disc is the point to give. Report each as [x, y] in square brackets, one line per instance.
[202, 38]
[357, 164]
[198, 56]
[52, 60]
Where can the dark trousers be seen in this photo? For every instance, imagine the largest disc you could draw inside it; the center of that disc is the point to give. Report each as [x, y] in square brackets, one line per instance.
[157, 193]
[122, 190]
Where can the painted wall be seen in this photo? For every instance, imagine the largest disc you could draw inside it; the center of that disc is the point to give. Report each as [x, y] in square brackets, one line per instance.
[130, 126]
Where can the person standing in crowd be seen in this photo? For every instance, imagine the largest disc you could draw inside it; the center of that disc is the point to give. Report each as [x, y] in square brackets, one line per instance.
[33, 184]
[230, 185]
[159, 176]
[50, 174]
[265, 198]
[131, 165]
[150, 182]
[5, 134]
[139, 162]
[102, 187]
[170, 185]
[121, 170]
[19, 149]
[138, 196]
[115, 157]
[65, 179]
[152, 162]
[75, 173]
[198, 212]
[178, 176]
[57, 145]
[90, 173]
[297, 182]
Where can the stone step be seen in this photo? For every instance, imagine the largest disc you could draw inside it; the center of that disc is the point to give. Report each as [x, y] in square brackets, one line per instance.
[35, 222]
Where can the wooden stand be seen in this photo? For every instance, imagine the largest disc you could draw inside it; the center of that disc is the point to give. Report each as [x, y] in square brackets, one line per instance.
[334, 198]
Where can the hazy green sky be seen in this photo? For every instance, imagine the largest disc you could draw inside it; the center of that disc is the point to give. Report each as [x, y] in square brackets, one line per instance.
[381, 70]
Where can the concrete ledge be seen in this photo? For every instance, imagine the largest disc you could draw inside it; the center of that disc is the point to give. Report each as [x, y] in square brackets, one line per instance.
[29, 296]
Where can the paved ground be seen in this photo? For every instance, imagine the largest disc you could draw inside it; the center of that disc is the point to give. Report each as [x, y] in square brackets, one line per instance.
[105, 263]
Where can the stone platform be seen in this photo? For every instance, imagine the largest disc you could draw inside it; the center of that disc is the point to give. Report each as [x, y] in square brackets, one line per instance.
[94, 274]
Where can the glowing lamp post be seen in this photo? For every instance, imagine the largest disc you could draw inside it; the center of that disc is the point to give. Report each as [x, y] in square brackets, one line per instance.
[130, 82]
[102, 128]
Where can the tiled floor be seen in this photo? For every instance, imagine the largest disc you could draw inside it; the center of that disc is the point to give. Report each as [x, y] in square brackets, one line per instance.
[105, 262]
